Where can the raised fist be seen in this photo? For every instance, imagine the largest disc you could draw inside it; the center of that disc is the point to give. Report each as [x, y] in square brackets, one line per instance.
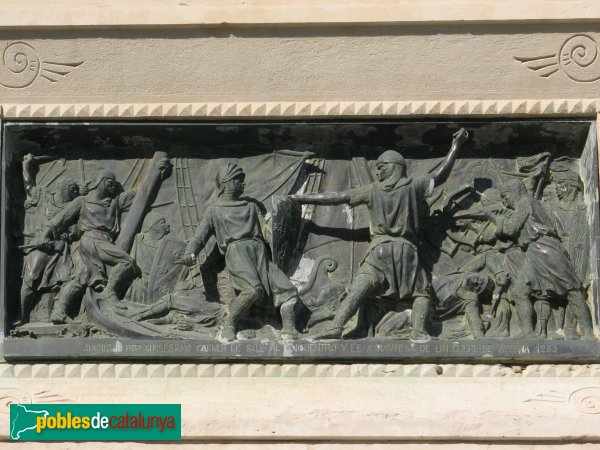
[460, 137]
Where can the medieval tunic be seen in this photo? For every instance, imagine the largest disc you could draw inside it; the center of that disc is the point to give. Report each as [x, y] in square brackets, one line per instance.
[571, 224]
[392, 261]
[41, 270]
[99, 220]
[236, 226]
[451, 296]
[547, 269]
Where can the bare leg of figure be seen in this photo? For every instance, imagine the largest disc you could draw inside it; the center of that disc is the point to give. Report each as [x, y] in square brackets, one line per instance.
[560, 320]
[27, 299]
[69, 294]
[570, 323]
[361, 289]
[120, 276]
[152, 310]
[474, 320]
[500, 326]
[581, 311]
[520, 296]
[419, 315]
[288, 319]
[543, 310]
[237, 308]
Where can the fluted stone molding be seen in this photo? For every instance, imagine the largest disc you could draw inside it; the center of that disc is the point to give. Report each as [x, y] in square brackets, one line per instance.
[497, 108]
[107, 370]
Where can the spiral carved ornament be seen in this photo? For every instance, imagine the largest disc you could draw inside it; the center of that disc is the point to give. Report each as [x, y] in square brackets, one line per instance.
[586, 400]
[21, 65]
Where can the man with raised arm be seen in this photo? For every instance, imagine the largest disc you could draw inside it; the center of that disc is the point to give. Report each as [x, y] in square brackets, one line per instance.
[44, 271]
[391, 267]
[98, 215]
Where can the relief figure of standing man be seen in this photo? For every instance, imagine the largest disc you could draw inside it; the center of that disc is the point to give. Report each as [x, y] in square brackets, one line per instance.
[391, 267]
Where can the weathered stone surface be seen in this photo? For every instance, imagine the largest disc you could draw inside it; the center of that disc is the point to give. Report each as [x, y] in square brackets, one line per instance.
[197, 12]
[254, 72]
[322, 407]
[483, 351]
[463, 66]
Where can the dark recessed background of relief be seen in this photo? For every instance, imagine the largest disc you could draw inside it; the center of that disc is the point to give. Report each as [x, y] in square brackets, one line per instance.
[330, 241]
[415, 139]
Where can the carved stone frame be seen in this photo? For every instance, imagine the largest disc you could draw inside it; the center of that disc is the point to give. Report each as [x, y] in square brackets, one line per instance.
[516, 108]
[287, 405]
[460, 109]
[527, 389]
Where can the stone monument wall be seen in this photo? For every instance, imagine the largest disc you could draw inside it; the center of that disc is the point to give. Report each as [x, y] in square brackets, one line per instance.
[224, 63]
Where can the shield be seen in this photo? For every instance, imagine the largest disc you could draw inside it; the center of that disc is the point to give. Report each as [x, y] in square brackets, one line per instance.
[285, 226]
[166, 268]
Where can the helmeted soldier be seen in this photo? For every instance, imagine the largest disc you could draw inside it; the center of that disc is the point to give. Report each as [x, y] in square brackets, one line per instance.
[391, 267]
[98, 215]
[236, 224]
[44, 271]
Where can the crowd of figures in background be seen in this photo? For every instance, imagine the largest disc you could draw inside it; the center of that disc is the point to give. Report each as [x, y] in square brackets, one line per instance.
[450, 253]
